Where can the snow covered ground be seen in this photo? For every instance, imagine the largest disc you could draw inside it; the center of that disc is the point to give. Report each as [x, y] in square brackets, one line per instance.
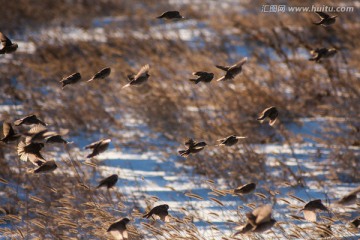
[160, 174]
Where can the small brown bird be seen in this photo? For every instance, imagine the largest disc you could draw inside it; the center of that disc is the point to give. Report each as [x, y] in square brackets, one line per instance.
[325, 19]
[118, 229]
[141, 77]
[229, 141]
[29, 120]
[320, 53]
[259, 220]
[109, 182]
[98, 147]
[47, 166]
[7, 45]
[30, 152]
[72, 79]
[171, 15]
[192, 147]
[310, 208]
[350, 198]
[9, 134]
[103, 73]
[202, 77]
[245, 189]
[232, 71]
[161, 211]
[271, 112]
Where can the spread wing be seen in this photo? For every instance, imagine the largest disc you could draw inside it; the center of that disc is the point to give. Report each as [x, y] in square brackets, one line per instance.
[240, 63]
[7, 129]
[224, 68]
[4, 40]
[37, 129]
[142, 71]
[262, 214]
[323, 15]
[309, 215]
[355, 191]
[93, 145]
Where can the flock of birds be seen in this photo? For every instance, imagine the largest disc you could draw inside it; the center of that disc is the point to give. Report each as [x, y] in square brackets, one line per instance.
[33, 140]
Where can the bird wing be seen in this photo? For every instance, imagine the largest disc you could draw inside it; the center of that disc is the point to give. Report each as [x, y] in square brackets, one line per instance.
[125, 234]
[355, 191]
[198, 147]
[221, 79]
[37, 129]
[116, 234]
[93, 145]
[240, 63]
[46, 166]
[224, 68]
[164, 216]
[309, 215]
[37, 161]
[4, 40]
[243, 229]
[142, 71]
[7, 129]
[262, 214]
[323, 15]
[272, 121]
[21, 149]
[19, 122]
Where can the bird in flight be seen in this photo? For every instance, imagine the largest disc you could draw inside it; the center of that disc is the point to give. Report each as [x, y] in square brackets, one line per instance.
[205, 77]
[325, 19]
[141, 77]
[171, 15]
[7, 45]
[231, 71]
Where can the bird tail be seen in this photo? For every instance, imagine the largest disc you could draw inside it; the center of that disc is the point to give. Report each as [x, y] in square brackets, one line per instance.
[196, 81]
[90, 155]
[147, 215]
[222, 67]
[316, 23]
[127, 85]
[63, 85]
